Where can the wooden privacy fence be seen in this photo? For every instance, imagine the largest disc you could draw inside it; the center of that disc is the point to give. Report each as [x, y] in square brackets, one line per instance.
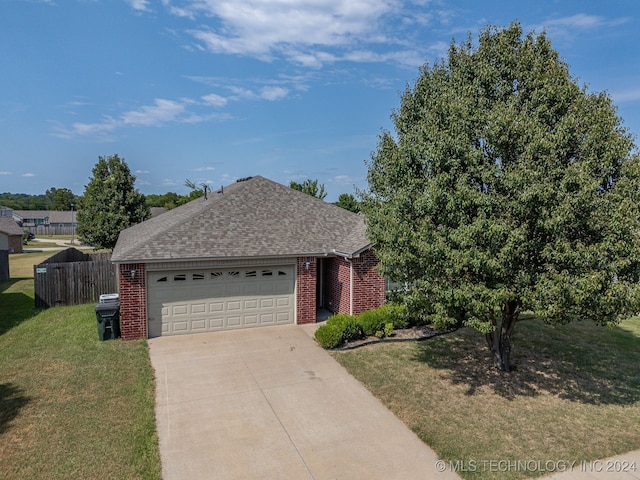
[4, 265]
[72, 277]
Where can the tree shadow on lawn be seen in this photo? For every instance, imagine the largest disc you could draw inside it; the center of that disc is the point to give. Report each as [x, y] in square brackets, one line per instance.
[579, 362]
[12, 400]
[15, 307]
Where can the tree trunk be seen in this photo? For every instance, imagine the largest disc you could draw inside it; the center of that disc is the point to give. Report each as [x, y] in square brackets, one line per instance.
[499, 341]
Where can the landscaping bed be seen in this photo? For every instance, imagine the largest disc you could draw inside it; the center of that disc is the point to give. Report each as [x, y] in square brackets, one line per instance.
[417, 333]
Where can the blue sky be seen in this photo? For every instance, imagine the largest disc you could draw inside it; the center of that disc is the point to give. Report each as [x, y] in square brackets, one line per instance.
[215, 90]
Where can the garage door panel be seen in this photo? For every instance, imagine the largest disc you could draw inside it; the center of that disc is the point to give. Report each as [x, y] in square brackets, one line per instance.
[283, 302]
[179, 326]
[216, 307]
[267, 303]
[199, 324]
[197, 308]
[193, 301]
[267, 318]
[216, 323]
[251, 304]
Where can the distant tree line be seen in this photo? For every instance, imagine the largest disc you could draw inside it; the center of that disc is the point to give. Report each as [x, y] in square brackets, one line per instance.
[58, 199]
[61, 199]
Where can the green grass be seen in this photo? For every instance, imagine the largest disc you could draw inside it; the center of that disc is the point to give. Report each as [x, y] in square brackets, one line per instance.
[21, 264]
[574, 395]
[71, 406]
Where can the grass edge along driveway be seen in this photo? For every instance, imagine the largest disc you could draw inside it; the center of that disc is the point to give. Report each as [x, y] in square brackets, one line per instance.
[71, 406]
[574, 395]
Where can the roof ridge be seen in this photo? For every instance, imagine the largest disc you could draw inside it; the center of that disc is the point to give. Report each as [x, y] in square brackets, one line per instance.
[256, 217]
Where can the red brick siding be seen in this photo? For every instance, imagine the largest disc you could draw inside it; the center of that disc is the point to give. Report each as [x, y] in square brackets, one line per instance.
[368, 285]
[133, 301]
[336, 297]
[306, 290]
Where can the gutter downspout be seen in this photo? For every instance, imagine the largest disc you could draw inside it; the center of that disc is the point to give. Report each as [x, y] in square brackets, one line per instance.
[350, 286]
[348, 258]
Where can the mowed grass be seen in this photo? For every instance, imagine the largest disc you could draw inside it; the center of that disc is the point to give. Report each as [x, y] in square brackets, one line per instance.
[574, 395]
[71, 406]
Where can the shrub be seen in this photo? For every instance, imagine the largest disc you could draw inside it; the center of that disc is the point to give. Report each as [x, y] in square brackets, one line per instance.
[329, 336]
[373, 321]
[349, 325]
[338, 329]
[396, 314]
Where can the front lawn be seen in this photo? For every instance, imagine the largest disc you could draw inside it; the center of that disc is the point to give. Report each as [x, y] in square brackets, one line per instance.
[574, 395]
[71, 406]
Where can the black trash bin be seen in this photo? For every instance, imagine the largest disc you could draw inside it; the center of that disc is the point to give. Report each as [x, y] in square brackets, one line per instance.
[108, 318]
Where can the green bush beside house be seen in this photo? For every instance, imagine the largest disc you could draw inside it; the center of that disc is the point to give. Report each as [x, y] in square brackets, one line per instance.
[380, 322]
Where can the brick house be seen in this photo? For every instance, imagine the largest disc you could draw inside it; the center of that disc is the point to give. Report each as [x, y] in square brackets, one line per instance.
[10, 235]
[255, 253]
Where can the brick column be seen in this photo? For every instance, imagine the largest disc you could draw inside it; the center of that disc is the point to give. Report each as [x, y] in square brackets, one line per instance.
[306, 290]
[133, 301]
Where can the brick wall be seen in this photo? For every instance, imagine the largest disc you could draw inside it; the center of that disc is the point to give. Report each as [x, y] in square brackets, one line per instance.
[15, 243]
[133, 301]
[306, 290]
[336, 297]
[368, 285]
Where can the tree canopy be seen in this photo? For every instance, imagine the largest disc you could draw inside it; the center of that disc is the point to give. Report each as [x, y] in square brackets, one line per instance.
[110, 203]
[310, 187]
[348, 202]
[54, 199]
[507, 187]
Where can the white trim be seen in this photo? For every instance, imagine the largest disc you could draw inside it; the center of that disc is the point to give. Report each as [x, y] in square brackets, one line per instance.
[350, 286]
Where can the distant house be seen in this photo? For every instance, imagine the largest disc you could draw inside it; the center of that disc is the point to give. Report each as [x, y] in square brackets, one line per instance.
[10, 235]
[47, 222]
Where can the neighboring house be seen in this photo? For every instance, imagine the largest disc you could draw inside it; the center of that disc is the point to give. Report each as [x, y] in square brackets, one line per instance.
[10, 235]
[255, 253]
[155, 211]
[47, 222]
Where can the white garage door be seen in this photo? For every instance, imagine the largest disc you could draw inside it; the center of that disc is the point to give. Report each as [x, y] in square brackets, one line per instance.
[192, 301]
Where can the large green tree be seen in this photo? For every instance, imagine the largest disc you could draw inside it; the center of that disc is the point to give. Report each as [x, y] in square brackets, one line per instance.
[310, 187]
[507, 187]
[110, 203]
[60, 199]
[348, 202]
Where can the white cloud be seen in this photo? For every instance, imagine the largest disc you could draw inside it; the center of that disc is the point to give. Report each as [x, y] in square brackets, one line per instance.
[631, 95]
[568, 27]
[345, 180]
[5, 173]
[310, 33]
[28, 174]
[273, 93]
[141, 171]
[162, 111]
[140, 5]
[215, 100]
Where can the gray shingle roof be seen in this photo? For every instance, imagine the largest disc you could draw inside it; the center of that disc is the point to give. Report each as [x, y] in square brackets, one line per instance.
[253, 218]
[54, 216]
[9, 226]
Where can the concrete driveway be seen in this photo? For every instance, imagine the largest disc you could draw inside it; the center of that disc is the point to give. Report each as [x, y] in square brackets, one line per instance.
[268, 403]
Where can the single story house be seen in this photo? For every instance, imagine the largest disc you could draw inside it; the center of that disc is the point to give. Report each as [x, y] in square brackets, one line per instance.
[255, 253]
[47, 222]
[10, 235]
